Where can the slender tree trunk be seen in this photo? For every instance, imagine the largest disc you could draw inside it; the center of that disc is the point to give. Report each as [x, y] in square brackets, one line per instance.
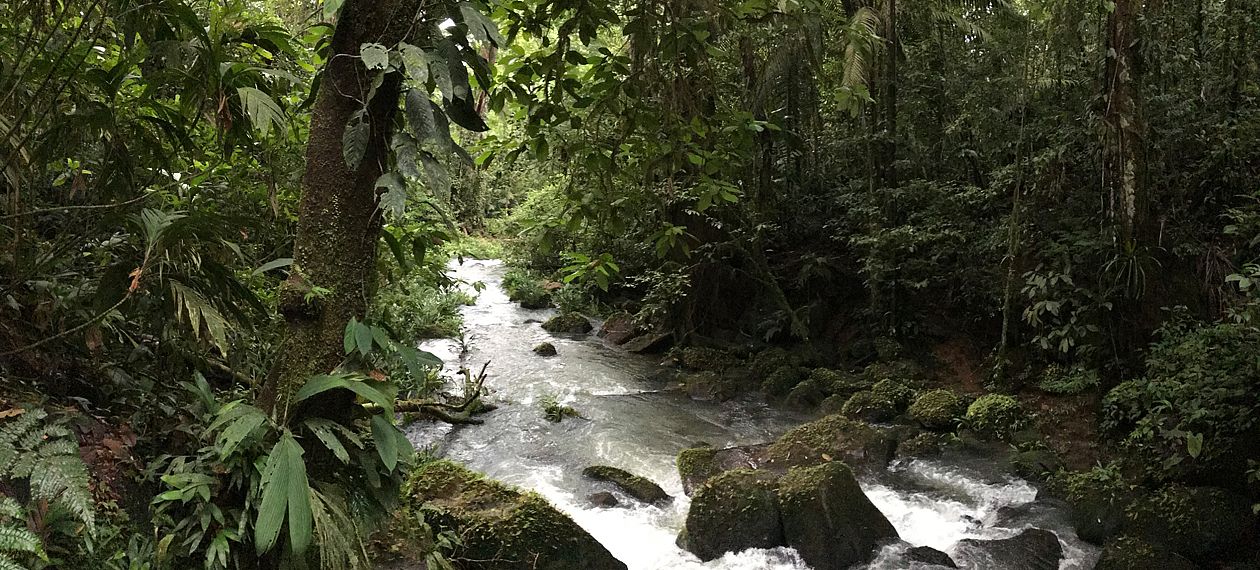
[1122, 145]
[339, 224]
[890, 96]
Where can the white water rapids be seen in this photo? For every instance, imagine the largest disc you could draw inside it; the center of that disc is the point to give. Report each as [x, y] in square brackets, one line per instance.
[630, 419]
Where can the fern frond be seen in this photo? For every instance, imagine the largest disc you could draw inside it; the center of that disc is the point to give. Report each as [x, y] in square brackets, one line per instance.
[340, 535]
[7, 563]
[9, 508]
[47, 455]
[20, 540]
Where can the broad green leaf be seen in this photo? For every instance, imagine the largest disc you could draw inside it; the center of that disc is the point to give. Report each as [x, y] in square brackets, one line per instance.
[331, 7]
[299, 489]
[323, 383]
[324, 430]
[375, 56]
[480, 26]
[394, 199]
[417, 63]
[262, 110]
[386, 442]
[354, 140]
[363, 338]
[347, 339]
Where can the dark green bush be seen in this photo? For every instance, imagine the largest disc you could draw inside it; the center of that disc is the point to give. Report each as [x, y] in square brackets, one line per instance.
[996, 415]
[1197, 404]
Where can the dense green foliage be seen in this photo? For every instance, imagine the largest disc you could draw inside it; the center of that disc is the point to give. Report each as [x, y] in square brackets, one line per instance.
[224, 225]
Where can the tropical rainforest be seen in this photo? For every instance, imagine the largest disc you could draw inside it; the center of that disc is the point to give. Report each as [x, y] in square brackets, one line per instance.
[248, 250]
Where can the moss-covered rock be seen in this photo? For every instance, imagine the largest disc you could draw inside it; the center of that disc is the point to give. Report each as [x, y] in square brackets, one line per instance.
[839, 382]
[710, 359]
[894, 391]
[832, 404]
[869, 407]
[1200, 523]
[1132, 553]
[734, 511]
[766, 362]
[923, 445]
[834, 437]
[696, 465]
[938, 410]
[828, 519]
[1035, 464]
[638, 487]
[782, 380]
[500, 527]
[572, 323]
[806, 395]
[545, 349]
[896, 369]
[707, 386]
[997, 416]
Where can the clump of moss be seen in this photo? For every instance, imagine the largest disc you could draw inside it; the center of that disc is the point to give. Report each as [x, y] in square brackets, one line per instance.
[782, 380]
[926, 444]
[555, 412]
[893, 391]
[568, 323]
[807, 394]
[834, 436]
[887, 348]
[697, 465]
[938, 409]
[833, 404]
[733, 511]
[896, 369]
[1133, 553]
[996, 415]
[766, 362]
[869, 406]
[839, 382]
[709, 359]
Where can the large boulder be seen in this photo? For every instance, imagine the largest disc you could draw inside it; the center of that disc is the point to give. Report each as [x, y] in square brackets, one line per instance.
[619, 328]
[828, 519]
[832, 438]
[649, 343]
[571, 323]
[638, 487]
[500, 527]
[869, 406]
[734, 511]
[930, 556]
[1032, 549]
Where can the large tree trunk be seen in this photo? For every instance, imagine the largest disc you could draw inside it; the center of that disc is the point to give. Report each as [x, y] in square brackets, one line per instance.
[339, 224]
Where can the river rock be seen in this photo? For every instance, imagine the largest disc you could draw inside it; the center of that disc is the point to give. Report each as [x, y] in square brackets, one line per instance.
[828, 519]
[571, 323]
[929, 555]
[649, 343]
[938, 410]
[619, 328]
[734, 511]
[545, 349]
[506, 528]
[808, 394]
[1032, 549]
[603, 499]
[700, 463]
[1035, 464]
[638, 487]
[707, 386]
[833, 437]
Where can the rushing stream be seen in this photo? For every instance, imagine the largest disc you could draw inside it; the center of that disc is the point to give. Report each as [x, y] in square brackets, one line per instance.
[631, 419]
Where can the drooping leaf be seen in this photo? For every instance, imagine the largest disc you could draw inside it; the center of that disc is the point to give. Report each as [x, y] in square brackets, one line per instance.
[354, 140]
[480, 26]
[285, 497]
[358, 385]
[262, 110]
[273, 264]
[386, 442]
[394, 200]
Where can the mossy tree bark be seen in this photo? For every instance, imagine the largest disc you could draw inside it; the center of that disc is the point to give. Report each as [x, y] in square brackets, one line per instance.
[339, 224]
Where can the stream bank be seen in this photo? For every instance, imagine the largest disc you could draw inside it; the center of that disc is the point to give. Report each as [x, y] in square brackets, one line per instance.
[633, 416]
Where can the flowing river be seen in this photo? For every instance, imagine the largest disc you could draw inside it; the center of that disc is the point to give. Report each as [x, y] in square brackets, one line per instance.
[632, 419]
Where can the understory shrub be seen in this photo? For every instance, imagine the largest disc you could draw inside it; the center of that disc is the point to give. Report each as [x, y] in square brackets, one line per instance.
[1196, 410]
[996, 415]
[1068, 381]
